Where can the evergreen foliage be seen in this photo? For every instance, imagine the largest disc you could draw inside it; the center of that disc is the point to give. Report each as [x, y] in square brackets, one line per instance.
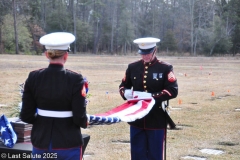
[169, 42]
[8, 36]
[106, 26]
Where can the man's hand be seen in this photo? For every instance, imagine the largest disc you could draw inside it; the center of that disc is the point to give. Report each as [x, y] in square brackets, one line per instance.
[128, 94]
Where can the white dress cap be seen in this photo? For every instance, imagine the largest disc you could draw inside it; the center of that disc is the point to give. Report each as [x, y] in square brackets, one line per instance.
[146, 43]
[57, 40]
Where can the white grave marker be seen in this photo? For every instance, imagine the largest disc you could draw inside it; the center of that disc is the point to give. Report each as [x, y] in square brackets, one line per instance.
[211, 151]
[175, 108]
[194, 158]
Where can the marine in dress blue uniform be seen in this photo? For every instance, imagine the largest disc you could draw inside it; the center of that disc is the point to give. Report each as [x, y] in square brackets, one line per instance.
[54, 102]
[154, 76]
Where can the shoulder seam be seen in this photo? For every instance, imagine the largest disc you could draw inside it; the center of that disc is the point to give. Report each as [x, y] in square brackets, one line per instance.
[73, 71]
[166, 63]
[135, 61]
[38, 69]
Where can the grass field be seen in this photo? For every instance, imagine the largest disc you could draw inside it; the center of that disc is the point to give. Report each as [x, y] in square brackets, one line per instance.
[206, 110]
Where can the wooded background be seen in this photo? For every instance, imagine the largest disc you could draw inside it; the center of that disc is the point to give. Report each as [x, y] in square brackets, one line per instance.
[198, 27]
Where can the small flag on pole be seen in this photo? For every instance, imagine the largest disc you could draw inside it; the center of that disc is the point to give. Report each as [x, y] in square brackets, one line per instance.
[179, 101]
[213, 94]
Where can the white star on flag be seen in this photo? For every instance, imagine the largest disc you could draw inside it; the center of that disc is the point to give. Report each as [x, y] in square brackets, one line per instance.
[7, 141]
[3, 129]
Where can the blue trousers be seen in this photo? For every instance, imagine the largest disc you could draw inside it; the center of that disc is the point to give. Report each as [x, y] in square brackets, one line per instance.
[147, 144]
[57, 154]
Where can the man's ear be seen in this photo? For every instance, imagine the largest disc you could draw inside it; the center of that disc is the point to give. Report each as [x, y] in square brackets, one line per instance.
[65, 56]
[46, 54]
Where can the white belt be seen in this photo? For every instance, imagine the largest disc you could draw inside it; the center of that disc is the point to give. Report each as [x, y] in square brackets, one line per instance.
[57, 114]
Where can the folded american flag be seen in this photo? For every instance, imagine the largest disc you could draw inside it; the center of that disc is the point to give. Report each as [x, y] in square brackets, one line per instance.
[138, 105]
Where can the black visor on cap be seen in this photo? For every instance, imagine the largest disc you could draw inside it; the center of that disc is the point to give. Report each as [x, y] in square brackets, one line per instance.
[145, 51]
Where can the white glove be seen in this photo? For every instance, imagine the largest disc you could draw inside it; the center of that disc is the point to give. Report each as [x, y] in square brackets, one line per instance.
[165, 107]
[128, 94]
[137, 94]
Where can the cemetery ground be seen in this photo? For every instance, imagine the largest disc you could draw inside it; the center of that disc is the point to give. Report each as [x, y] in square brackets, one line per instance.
[206, 111]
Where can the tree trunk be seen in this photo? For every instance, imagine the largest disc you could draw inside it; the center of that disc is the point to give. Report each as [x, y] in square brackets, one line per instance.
[162, 20]
[1, 45]
[33, 37]
[43, 14]
[112, 29]
[195, 45]
[95, 47]
[125, 48]
[74, 26]
[117, 26]
[174, 16]
[15, 27]
[95, 44]
[191, 6]
[214, 45]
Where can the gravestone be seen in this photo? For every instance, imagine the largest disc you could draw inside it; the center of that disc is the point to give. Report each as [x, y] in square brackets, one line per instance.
[212, 151]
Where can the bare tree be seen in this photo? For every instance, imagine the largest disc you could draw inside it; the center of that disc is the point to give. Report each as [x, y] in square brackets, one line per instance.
[112, 26]
[74, 23]
[5, 7]
[15, 27]
[191, 9]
